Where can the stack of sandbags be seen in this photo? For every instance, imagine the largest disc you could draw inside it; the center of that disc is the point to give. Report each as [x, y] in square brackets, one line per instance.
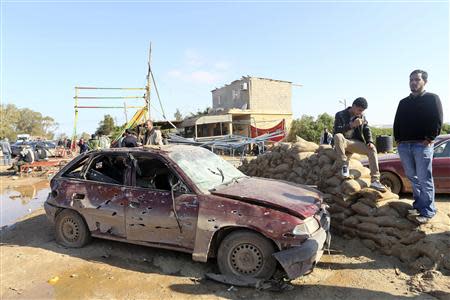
[378, 219]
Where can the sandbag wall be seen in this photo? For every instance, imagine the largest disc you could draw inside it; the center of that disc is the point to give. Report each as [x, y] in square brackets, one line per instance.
[378, 219]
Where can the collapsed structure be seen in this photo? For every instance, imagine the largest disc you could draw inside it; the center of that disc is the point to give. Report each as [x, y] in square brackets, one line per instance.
[378, 219]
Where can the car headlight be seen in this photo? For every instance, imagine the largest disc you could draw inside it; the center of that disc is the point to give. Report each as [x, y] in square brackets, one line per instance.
[308, 227]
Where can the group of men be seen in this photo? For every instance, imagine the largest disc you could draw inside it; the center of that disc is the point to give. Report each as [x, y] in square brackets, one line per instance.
[149, 136]
[417, 123]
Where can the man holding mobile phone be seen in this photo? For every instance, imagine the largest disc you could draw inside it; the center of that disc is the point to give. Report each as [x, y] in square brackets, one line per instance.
[352, 134]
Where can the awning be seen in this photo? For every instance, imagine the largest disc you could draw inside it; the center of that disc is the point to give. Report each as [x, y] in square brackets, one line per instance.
[208, 119]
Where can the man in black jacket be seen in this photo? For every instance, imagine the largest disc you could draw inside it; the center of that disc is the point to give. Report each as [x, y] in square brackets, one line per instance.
[129, 140]
[417, 123]
[352, 134]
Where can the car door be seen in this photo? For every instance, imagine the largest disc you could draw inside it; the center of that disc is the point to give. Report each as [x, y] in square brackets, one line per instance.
[100, 195]
[441, 167]
[154, 214]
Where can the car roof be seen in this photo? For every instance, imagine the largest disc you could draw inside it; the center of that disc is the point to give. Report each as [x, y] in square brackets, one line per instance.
[166, 149]
[442, 137]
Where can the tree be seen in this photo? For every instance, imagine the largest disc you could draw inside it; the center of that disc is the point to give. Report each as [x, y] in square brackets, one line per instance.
[445, 128]
[309, 129]
[24, 120]
[200, 112]
[106, 126]
[178, 116]
[85, 136]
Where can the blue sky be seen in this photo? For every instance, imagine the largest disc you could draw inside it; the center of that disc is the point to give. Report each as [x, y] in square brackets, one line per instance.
[337, 50]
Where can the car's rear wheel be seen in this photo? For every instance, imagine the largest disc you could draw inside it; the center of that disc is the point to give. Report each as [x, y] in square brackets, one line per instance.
[246, 253]
[71, 230]
[391, 181]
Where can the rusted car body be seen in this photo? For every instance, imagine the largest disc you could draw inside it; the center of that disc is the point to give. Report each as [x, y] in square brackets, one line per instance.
[188, 199]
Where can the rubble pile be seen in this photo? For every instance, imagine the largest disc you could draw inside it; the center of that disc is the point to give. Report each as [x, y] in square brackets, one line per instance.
[379, 219]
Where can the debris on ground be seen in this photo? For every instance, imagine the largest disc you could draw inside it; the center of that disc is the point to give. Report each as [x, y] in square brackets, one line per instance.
[259, 284]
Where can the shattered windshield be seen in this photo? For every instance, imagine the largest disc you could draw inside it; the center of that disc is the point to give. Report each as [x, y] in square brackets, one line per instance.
[205, 169]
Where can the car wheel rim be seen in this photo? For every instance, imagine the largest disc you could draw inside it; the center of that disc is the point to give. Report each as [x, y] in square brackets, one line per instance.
[246, 259]
[70, 230]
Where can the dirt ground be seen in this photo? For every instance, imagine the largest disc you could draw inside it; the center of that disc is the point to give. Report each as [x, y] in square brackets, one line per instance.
[34, 266]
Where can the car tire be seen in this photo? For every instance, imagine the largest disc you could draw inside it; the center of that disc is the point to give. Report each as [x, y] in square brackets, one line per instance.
[391, 181]
[246, 253]
[71, 230]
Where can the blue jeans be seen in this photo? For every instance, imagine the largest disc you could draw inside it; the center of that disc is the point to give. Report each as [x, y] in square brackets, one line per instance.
[417, 162]
[6, 159]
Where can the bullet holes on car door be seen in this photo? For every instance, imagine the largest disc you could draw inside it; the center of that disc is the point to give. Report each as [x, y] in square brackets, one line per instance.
[157, 212]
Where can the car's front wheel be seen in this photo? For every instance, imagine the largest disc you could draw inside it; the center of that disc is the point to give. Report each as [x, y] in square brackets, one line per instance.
[246, 253]
[391, 181]
[71, 230]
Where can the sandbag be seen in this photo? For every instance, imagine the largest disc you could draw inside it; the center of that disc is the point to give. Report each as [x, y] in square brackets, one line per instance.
[350, 186]
[388, 221]
[386, 210]
[363, 209]
[305, 146]
[351, 221]
[401, 207]
[368, 227]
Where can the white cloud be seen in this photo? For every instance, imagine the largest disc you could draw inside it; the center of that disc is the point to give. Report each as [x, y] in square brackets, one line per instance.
[193, 58]
[195, 68]
[204, 76]
[221, 65]
[175, 73]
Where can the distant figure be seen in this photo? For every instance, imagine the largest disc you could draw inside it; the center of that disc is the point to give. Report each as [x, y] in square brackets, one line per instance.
[68, 144]
[83, 146]
[40, 153]
[93, 143]
[352, 134]
[6, 150]
[326, 137]
[418, 121]
[119, 142]
[104, 142]
[152, 136]
[26, 156]
[129, 140]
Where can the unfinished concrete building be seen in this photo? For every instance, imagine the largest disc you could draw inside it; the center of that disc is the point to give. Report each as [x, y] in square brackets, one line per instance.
[245, 106]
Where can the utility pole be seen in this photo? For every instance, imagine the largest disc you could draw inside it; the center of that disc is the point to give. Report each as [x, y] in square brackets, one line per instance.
[125, 111]
[147, 88]
[344, 101]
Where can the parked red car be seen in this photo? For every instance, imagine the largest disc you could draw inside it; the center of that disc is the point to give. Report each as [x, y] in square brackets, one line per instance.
[188, 199]
[393, 175]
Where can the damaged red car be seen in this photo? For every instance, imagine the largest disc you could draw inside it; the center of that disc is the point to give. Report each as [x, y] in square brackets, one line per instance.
[188, 199]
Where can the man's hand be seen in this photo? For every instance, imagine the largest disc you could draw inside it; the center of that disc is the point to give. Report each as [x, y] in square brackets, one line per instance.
[371, 146]
[427, 142]
[357, 122]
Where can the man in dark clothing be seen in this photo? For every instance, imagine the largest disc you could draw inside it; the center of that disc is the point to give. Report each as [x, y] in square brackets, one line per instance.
[326, 137]
[418, 121]
[352, 134]
[83, 146]
[129, 140]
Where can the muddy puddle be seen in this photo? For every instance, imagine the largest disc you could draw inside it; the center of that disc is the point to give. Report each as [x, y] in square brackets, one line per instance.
[19, 201]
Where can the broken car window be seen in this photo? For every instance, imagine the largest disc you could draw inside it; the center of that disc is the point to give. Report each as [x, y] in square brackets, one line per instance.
[153, 173]
[76, 169]
[108, 169]
[205, 169]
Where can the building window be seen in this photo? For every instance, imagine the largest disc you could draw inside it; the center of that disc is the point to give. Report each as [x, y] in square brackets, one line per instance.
[218, 99]
[235, 94]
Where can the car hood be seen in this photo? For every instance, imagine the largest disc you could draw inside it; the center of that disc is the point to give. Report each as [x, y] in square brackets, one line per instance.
[299, 200]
